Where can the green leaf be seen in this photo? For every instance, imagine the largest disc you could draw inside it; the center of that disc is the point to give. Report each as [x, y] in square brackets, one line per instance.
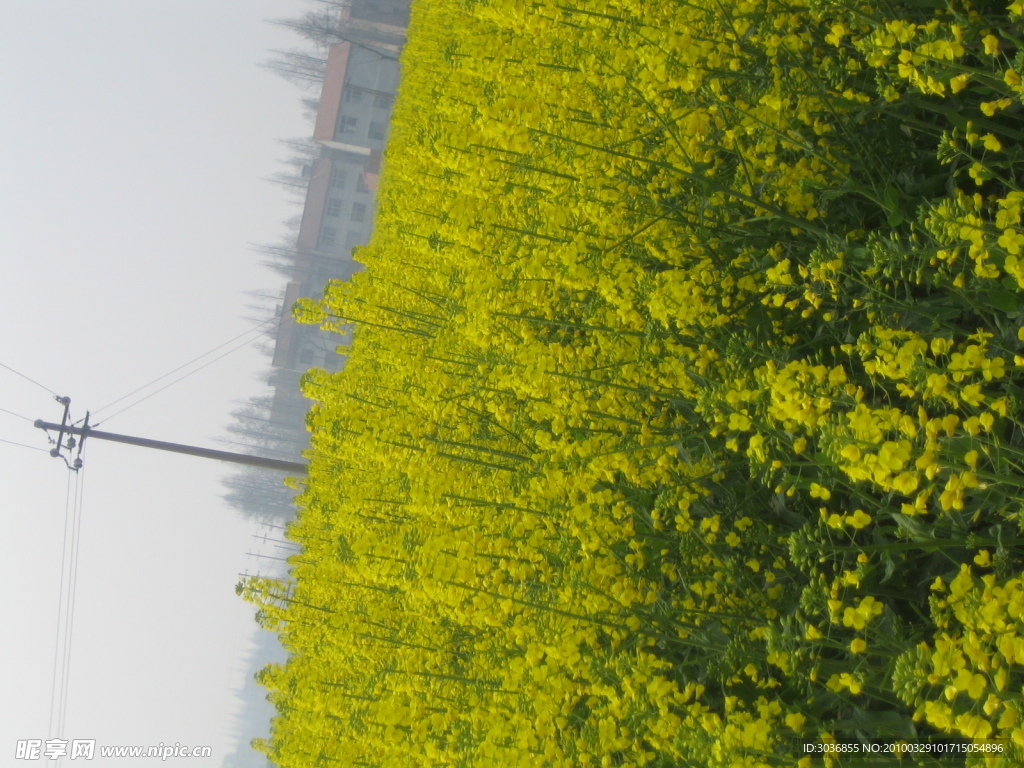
[1004, 300]
[890, 566]
[917, 530]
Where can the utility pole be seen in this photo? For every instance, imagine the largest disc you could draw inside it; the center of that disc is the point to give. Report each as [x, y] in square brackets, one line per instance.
[85, 431]
[267, 557]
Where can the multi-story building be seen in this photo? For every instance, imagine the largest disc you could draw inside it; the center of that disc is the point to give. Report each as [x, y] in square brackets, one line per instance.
[351, 128]
[350, 131]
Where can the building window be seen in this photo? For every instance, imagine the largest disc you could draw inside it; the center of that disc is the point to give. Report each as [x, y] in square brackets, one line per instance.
[348, 124]
[381, 101]
[305, 358]
[355, 95]
[328, 236]
[333, 207]
[339, 176]
[361, 184]
[377, 130]
[358, 212]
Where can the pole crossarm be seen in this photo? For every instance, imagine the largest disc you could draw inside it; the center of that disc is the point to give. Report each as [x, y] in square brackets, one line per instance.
[293, 467]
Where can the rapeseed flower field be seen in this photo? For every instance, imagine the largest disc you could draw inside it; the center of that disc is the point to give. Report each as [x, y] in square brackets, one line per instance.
[681, 422]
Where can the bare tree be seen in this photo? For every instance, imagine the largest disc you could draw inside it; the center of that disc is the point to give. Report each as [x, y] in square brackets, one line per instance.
[302, 69]
[325, 28]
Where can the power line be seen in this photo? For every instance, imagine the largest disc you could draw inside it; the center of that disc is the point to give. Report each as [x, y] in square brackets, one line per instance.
[70, 622]
[57, 681]
[2, 365]
[33, 447]
[180, 378]
[183, 365]
[26, 418]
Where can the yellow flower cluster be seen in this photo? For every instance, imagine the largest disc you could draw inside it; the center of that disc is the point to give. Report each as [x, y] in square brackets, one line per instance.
[976, 661]
[682, 362]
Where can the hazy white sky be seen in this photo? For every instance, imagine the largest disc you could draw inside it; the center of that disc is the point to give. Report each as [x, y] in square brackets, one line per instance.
[134, 138]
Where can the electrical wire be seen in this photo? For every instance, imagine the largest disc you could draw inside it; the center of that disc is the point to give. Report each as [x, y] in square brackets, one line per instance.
[57, 680]
[73, 593]
[182, 378]
[33, 447]
[2, 365]
[185, 365]
[26, 418]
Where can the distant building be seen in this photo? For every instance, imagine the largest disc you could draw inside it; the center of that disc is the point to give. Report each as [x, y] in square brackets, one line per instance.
[380, 15]
[351, 128]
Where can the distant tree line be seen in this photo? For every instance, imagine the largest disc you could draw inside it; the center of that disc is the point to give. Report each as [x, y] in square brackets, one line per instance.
[259, 426]
[373, 25]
